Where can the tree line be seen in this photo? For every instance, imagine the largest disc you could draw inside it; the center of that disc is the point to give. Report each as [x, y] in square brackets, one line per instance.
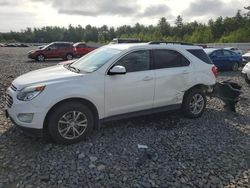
[228, 29]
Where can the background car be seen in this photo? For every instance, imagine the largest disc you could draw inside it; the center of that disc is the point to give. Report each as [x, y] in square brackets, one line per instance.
[234, 49]
[64, 50]
[246, 57]
[224, 59]
[82, 49]
[124, 40]
[246, 72]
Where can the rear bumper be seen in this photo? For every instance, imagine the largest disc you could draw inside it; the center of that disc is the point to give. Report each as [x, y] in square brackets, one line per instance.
[29, 131]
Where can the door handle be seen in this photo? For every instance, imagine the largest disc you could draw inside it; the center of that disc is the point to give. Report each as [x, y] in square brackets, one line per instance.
[147, 78]
[185, 72]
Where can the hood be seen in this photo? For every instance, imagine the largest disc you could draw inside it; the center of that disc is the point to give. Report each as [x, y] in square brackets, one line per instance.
[246, 54]
[31, 51]
[67, 62]
[45, 75]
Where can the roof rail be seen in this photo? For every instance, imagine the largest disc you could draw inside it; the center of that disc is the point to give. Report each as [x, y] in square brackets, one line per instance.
[162, 42]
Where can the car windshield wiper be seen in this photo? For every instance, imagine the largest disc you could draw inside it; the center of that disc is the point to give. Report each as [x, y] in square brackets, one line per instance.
[74, 69]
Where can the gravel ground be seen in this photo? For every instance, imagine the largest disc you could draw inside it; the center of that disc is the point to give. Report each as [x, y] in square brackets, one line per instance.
[212, 151]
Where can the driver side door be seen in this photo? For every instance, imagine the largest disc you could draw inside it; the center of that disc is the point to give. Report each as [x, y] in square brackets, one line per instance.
[133, 91]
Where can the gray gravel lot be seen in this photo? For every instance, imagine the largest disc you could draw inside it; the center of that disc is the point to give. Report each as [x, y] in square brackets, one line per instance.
[212, 151]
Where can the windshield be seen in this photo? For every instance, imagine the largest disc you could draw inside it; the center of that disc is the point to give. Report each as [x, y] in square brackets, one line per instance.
[44, 47]
[95, 60]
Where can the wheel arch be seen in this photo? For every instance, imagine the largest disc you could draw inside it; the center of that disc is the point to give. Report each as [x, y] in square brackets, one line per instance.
[75, 99]
[203, 87]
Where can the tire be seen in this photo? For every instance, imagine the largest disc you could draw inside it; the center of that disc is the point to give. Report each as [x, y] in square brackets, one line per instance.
[190, 108]
[63, 125]
[69, 57]
[235, 67]
[40, 58]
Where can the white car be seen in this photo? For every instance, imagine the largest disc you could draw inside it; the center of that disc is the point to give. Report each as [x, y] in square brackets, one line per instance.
[246, 72]
[246, 57]
[113, 82]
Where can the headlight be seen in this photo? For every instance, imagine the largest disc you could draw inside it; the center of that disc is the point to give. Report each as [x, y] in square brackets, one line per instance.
[30, 93]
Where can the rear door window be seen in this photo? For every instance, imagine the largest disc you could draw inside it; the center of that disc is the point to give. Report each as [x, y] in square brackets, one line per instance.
[227, 53]
[168, 59]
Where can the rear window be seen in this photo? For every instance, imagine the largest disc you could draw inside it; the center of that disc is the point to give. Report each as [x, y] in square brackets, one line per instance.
[201, 55]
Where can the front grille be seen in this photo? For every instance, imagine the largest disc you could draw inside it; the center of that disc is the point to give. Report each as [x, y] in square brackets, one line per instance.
[13, 87]
[9, 100]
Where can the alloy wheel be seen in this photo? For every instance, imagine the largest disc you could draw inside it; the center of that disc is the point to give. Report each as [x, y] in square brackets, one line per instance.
[196, 104]
[72, 124]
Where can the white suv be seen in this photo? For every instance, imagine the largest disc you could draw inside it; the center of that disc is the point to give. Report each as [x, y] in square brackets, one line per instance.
[112, 82]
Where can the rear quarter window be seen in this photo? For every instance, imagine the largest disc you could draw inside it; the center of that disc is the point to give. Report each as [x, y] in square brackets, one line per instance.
[199, 53]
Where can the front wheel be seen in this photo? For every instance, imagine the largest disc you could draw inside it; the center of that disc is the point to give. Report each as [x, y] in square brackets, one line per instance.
[194, 103]
[70, 122]
[40, 58]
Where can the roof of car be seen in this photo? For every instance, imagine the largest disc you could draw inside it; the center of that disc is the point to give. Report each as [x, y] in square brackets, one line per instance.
[210, 50]
[58, 42]
[79, 43]
[131, 46]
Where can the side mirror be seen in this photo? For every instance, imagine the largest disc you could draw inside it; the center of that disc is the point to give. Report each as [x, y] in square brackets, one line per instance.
[118, 69]
[48, 48]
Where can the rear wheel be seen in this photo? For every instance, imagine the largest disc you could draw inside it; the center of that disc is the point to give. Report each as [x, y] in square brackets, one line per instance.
[70, 122]
[40, 58]
[194, 103]
[235, 67]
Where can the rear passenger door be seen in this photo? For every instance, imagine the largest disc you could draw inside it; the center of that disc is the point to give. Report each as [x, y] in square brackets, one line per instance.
[172, 77]
[62, 50]
[228, 59]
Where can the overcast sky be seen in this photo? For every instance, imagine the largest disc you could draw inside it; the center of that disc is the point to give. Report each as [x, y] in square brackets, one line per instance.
[19, 14]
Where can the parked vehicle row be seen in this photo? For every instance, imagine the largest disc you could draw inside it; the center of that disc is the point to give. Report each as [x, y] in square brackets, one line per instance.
[64, 50]
[14, 45]
[246, 57]
[81, 49]
[246, 72]
[224, 59]
[113, 82]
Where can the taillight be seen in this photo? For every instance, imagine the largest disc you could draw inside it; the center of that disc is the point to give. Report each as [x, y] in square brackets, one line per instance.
[215, 70]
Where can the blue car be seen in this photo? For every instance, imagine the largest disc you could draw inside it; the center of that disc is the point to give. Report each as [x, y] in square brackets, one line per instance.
[224, 59]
